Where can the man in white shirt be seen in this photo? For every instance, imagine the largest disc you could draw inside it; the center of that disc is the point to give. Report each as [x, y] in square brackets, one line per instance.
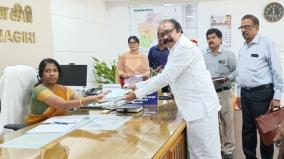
[193, 90]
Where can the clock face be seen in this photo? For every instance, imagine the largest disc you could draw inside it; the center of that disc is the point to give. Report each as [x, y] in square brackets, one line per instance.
[273, 12]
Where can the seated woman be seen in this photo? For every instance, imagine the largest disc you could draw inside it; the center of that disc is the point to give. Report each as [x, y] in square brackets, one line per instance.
[133, 62]
[50, 99]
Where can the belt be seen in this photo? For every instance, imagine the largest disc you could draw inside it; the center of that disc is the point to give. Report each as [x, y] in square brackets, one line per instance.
[222, 89]
[258, 87]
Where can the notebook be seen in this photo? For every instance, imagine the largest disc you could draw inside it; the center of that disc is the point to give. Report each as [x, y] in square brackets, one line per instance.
[130, 108]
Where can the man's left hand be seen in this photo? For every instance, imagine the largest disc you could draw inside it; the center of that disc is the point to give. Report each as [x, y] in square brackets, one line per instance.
[130, 96]
[274, 103]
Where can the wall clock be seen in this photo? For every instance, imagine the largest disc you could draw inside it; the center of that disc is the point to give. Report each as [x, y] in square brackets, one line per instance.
[273, 12]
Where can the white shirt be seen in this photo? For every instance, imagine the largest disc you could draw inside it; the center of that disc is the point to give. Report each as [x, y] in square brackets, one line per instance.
[189, 80]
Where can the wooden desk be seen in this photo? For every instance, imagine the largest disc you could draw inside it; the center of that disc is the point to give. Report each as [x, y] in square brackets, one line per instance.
[158, 132]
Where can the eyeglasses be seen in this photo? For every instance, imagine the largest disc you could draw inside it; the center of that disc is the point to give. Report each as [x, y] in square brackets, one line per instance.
[246, 27]
[166, 32]
[132, 42]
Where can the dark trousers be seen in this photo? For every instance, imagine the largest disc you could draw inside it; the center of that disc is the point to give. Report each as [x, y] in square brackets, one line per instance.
[254, 103]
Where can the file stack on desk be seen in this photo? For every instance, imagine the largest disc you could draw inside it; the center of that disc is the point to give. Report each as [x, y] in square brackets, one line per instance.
[130, 108]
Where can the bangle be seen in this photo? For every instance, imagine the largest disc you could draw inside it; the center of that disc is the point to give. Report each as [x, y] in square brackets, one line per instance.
[81, 104]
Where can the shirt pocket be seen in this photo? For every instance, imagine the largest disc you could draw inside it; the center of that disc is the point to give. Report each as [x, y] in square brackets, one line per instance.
[222, 67]
[256, 59]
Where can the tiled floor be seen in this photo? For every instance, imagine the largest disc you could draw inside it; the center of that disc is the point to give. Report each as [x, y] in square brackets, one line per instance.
[238, 153]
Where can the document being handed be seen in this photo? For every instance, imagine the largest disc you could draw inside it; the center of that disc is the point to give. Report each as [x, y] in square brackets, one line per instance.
[217, 79]
[117, 94]
[133, 79]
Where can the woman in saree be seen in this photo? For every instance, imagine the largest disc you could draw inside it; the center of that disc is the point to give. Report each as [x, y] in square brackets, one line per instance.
[51, 99]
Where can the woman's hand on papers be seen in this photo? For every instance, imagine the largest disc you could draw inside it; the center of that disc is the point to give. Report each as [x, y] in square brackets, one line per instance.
[130, 96]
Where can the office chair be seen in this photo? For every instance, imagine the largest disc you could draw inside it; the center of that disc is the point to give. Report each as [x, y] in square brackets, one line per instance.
[16, 86]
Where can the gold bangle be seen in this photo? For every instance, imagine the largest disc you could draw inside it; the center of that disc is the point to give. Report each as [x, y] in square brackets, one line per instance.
[81, 104]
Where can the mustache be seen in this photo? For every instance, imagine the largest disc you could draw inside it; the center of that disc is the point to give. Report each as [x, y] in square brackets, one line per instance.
[244, 34]
[167, 40]
[211, 42]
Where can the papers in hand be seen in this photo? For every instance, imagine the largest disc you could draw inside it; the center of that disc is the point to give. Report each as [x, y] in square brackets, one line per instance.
[117, 94]
[132, 80]
[215, 79]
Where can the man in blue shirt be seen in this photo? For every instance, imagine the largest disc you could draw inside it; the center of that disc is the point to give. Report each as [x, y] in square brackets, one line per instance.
[158, 56]
[259, 82]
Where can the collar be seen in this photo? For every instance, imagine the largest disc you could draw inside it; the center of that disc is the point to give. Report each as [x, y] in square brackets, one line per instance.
[255, 40]
[219, 51]
[180, 39]
[157, 48]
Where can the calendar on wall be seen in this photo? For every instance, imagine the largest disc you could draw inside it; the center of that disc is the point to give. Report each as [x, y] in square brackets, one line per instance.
[223, 23]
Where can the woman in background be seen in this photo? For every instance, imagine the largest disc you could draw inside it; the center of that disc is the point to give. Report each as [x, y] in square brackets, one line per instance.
[51, 99]
[133, 62]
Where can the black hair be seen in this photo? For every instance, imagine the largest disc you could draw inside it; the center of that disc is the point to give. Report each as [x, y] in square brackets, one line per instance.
[175, 23]
[42, 66]
[214, 30]
[253, 18]
[134, 38]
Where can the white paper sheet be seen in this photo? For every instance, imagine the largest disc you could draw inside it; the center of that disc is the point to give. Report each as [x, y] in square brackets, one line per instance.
[132, 80]
[31, 141]
[51, 128]
[105, 122]
[117, 94]
[66, 119]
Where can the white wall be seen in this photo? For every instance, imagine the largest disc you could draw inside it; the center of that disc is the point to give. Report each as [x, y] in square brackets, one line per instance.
[238, 8]
[118, 21]
[79, 32]
[12, 53]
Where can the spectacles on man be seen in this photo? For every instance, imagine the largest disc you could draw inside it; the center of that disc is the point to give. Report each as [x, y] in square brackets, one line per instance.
[246, 27]
[166, 32]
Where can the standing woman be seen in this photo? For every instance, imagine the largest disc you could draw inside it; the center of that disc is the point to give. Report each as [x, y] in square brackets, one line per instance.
[50, 99]
[133, 62]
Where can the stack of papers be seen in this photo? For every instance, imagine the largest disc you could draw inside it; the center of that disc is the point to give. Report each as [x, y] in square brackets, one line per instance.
[116, 95]
[131, 108]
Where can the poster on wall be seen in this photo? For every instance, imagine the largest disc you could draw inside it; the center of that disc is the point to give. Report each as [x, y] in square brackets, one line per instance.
[144, 22]
[223, 23]
[190, 21]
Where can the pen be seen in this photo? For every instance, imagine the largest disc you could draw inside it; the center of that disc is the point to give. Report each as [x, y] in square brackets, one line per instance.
[60, 123]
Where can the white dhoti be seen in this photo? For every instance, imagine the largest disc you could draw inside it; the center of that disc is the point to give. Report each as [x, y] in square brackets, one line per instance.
[203, 138]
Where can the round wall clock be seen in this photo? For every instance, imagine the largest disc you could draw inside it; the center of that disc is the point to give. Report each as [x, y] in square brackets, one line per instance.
[273, 12]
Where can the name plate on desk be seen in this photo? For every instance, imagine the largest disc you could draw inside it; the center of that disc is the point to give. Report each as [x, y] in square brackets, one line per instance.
[151, 99]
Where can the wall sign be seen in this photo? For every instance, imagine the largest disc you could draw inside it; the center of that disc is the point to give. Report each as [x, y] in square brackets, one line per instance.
[19, 14]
